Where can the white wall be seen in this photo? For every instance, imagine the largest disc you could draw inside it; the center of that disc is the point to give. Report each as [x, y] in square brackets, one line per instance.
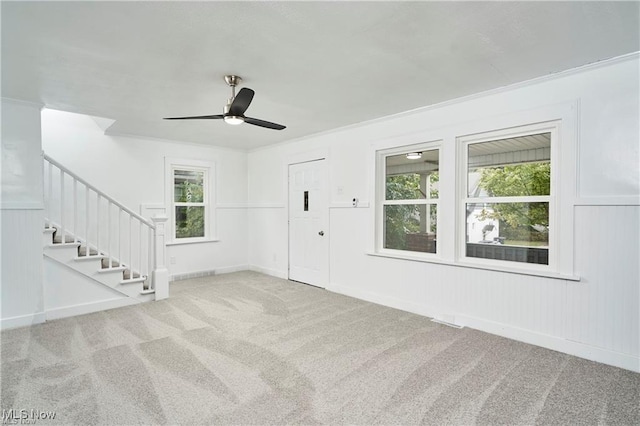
[22, 219]
[68, 293]
[596, 317]
[131, 170]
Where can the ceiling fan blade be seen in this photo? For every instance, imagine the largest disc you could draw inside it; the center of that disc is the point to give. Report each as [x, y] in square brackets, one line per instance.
[241, 102]
[263, 123]
[207, 117]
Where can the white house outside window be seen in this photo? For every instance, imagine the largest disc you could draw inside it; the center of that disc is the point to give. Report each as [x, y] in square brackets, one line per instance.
[507, 203]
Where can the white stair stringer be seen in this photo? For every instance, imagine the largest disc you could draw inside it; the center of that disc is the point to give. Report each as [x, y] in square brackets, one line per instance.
[92, 267]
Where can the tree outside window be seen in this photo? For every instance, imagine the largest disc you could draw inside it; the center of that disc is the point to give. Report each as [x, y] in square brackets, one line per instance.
[509, 199]
[410, 205]
[189, 203]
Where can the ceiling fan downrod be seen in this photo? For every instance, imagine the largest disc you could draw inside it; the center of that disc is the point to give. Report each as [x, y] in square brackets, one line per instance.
[232, 81]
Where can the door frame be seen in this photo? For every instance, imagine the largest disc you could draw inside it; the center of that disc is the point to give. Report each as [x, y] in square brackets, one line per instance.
[299, 158]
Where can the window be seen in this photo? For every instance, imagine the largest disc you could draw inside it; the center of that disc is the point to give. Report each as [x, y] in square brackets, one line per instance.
[507, 201]
[494, 193]
[189, 184]
[189, 203]
[410, 200]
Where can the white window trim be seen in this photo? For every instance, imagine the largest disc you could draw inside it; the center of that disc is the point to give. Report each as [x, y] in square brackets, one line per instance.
[381, 200]
[209, 167]
[462, 144]
[565, 168]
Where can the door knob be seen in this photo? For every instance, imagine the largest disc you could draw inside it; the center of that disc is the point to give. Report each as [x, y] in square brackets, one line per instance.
[321, 233]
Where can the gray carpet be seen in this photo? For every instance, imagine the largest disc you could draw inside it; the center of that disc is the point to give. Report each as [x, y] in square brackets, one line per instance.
[246, 348]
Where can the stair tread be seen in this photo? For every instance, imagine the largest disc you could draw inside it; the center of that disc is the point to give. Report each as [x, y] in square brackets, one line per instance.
[69, 244]
[57, 239]
[115, 269]
[114, 263]
[92, 252]
[90, 257]
[127, 275]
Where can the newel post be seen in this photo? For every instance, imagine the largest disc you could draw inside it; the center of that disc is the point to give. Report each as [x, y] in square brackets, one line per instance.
[160, 271]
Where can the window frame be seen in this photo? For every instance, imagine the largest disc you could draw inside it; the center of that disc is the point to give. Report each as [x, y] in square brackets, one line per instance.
[462, 197]
[208, 168]
[381, 201]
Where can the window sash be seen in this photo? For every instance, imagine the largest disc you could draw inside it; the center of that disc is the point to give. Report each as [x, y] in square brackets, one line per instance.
[462, 174]
[204, 204]
[184, 204]
[382, 201]
[421, 201]
[500, 200]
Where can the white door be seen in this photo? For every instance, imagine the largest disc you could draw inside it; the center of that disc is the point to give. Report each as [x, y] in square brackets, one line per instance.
[308, 223]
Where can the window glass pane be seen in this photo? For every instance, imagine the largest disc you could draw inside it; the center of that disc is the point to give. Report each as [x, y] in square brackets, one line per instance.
[188, 186]
[412, 178]
[517, 232]
[189, 221]
[410, 227]
[514, 167]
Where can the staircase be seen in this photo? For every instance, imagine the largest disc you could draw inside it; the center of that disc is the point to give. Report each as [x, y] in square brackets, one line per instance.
[98, 237]
[98, 266]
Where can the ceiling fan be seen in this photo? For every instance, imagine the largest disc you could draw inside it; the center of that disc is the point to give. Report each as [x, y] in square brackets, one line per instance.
[235, 108]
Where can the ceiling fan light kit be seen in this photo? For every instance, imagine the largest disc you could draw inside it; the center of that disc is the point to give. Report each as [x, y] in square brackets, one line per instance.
[234, 120]
[235, 108]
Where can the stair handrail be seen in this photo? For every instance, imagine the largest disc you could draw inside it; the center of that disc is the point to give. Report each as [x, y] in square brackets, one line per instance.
[102, 194]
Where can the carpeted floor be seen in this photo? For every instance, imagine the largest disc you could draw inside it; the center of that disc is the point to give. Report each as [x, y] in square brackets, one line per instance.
[246, 348]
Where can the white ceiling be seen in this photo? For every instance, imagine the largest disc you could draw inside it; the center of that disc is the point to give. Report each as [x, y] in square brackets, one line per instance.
[315, 66]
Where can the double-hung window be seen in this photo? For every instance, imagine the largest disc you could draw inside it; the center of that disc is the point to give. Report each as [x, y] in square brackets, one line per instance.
[508, 190]
[190, 203]
[190, 195]
[507, 201]
[410, 200]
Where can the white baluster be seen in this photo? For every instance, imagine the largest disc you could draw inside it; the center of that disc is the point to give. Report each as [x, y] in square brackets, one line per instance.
[109, 234]
[75, 210]
[47, 198]
[50, 193]
[98, 223]
[62, 230]
[86, 221]
[119, 236]
[140, 247]
[150, 249]
[130, 247]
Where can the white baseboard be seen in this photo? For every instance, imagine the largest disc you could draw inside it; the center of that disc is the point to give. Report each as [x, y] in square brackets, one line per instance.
[581, 350]
[272, 272]
[22, 321]
[88, 308]
[189, 275]
[230, 269]
[208, 273]
[392, 302]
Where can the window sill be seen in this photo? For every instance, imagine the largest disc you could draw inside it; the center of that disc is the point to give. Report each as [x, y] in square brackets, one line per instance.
[181, 243]
[432, 259]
